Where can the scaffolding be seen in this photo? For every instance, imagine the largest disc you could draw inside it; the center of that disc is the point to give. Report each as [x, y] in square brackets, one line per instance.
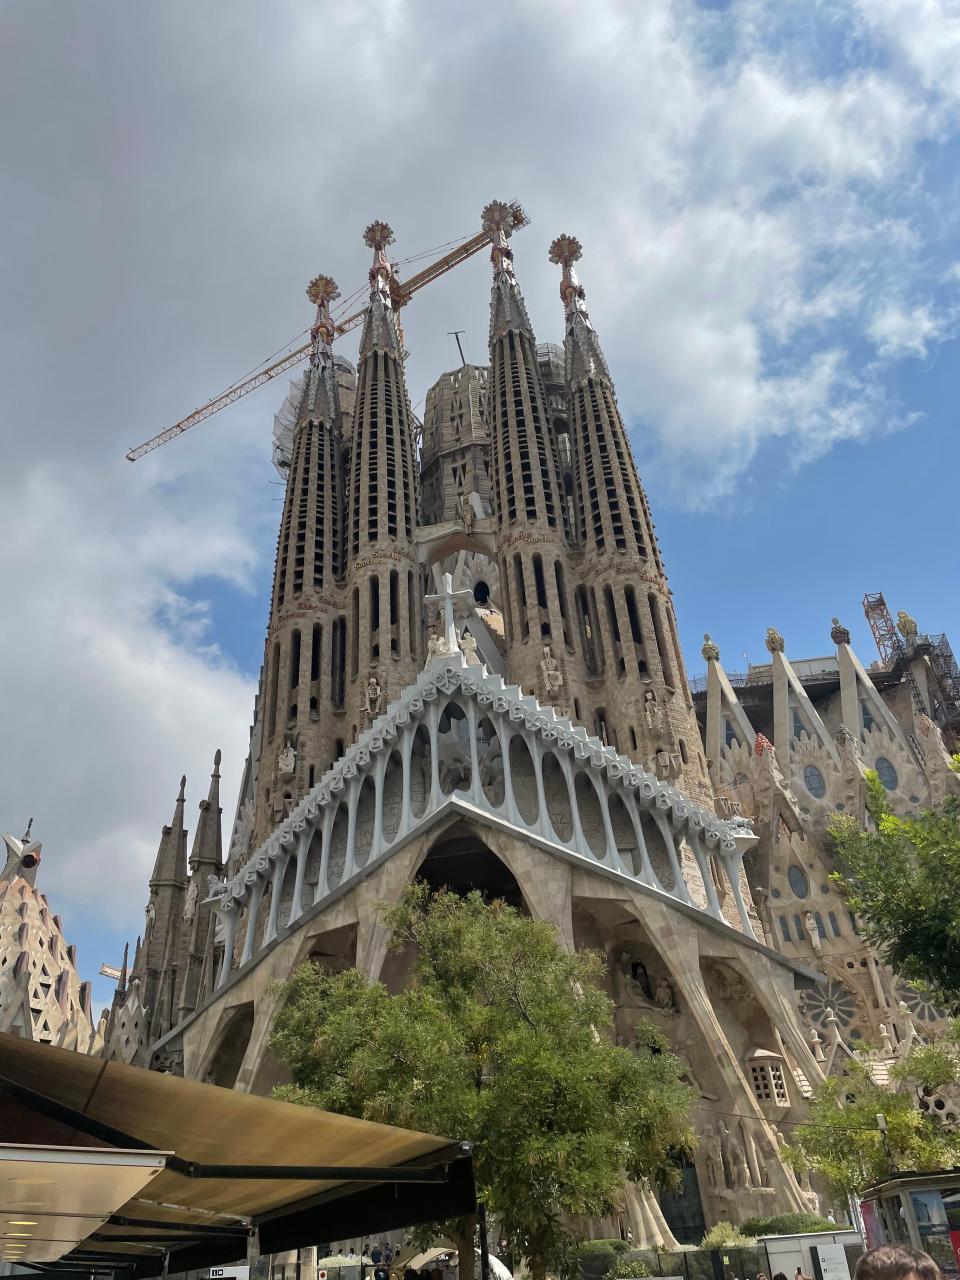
[893, 650]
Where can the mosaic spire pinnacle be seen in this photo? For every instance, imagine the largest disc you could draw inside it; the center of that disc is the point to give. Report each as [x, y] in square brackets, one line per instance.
[584, 359]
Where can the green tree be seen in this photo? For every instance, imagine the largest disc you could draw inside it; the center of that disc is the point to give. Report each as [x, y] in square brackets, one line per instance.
[503, 1038]
[903, 879]
[842, 1139]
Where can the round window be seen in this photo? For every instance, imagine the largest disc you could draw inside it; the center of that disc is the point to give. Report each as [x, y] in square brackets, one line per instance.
[886, 773]
[798, 881]
[813, 781]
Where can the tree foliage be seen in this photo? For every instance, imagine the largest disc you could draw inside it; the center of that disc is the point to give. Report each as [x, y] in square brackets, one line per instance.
[504, 1039]
[903, 879]
[724, 1233]
[842, 1140]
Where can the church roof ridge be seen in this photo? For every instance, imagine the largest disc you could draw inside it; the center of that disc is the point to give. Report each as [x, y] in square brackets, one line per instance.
[445, 674]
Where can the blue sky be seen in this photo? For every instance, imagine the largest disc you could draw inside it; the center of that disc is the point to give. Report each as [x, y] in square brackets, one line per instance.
[767, 197]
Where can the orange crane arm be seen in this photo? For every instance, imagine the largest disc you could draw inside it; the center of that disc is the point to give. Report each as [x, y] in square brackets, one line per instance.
[401, 291]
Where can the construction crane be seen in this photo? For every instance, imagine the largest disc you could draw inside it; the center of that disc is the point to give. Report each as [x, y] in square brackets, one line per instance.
[401, 292]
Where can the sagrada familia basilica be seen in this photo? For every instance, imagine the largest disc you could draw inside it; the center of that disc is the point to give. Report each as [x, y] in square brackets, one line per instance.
[473, 676]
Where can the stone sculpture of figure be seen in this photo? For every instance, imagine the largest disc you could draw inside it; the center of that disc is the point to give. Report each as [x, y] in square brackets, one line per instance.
[287, 760]
[631, 985]
[662, 764]
[469, 515]
[663, 997]
[738, 1171]
[436, 647]
[652, 712]
[190, 902]
[370, 705]
[810, 924]
[468, 647]
[712, 1159]
[551, 681]
[150, 911]
[907, 627]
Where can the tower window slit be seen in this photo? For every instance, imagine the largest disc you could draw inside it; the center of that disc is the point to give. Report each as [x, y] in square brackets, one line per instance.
[660, 639]
[587, 637]
[274, 690]
[316, 652]
[355, 634]
[521, 597]
[394, 611]
[614, 626]
[564, 608]
[374, 616]
[541, 596]
[294, 659]
[338, 656]
[412, 615]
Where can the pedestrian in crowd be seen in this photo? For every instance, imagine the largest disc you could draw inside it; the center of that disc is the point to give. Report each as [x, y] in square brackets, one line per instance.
[761, 1275]
[376, 1254]
[410, 1274]
[779, 1276]
[896, 1262]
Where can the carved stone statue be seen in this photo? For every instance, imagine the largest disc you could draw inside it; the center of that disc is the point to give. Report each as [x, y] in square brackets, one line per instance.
[712, 1159]
[551, 682]
[287, 760]
[468, 647]
[839, 633]
[774, 640]
[190, 902]
[666, 764]
[469, 515]
[371, 704]
[663, 997]
[652, 712]
[436, 646]
[810, 924]
[710, 650]
[907, 627]
[738, 1171]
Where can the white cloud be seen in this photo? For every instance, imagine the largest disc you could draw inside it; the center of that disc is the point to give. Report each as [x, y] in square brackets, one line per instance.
[898, 331]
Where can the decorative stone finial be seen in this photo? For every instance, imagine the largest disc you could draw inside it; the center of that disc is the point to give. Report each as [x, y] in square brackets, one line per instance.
[710, 650]
[378, 235]
[832, 1024]
[183, 786]
[886, 1044]
[322, 289]
[774, 640]
[839, 633]
[565, 251]
[216, 761]
[497, 217]
[816, 1043]
[26, 835]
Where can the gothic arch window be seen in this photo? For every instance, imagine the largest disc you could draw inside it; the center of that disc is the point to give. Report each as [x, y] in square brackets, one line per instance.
[814, 782]
[797, 878]
[886, 773]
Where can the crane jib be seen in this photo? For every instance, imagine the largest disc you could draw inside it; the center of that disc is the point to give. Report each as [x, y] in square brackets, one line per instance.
[401, 293]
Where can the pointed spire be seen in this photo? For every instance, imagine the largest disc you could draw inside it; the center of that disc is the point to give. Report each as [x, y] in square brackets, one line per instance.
[24, 839]
[584, 359]
[321, 291]
[169, 865]
[207, 849]
[122, 984]
[380, 332]
[508, 310]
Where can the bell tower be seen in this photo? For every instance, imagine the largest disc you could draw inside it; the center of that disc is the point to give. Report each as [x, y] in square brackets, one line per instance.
[305, 636]
[625, 618]
[383, 589]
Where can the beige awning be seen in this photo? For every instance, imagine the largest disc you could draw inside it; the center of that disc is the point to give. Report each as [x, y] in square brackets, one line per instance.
[239, 1162]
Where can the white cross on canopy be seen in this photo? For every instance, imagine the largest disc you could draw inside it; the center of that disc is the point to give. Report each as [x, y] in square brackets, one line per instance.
[447, 595]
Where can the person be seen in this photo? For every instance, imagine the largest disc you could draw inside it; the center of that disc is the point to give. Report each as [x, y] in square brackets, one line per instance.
[779, 1276]
[895, 1262]
[410, 1274]
[376, 1254]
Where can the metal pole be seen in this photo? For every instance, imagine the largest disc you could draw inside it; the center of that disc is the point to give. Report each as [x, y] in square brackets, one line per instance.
[455, 333]
[484, 1247]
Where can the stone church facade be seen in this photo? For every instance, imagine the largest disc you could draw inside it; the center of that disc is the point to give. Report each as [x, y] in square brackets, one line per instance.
[472, 675]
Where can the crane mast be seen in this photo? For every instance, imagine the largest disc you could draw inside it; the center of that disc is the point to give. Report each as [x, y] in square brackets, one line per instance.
[401, 291]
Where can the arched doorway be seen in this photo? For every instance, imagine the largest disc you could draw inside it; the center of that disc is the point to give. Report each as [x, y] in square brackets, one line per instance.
[461, 862]
[228, 1057]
